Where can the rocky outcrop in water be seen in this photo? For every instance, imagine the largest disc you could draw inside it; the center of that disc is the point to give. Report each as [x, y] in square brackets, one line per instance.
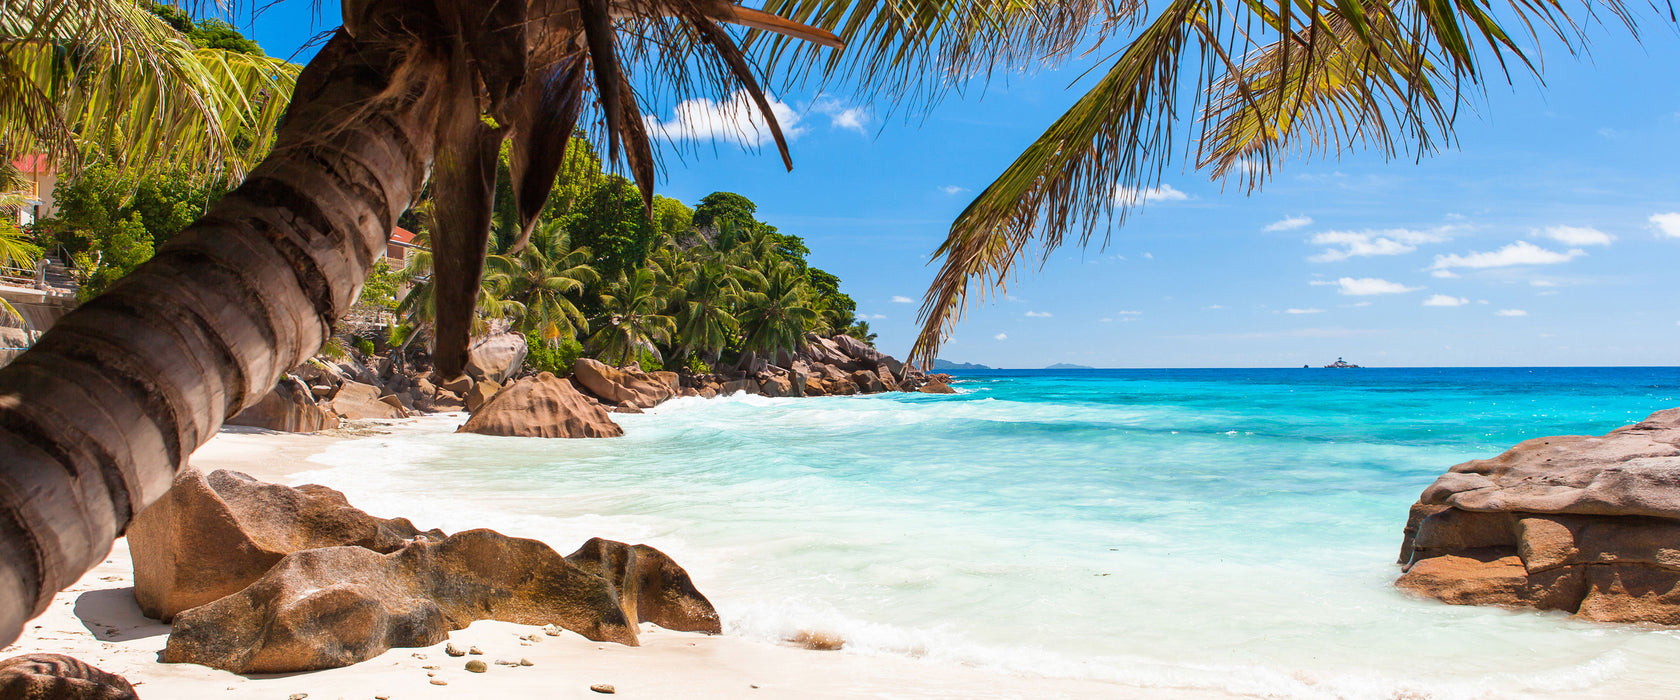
[622, 386]
[59, 677]
[1587, 525]
[542, 406]
[213, 534]
[325, 608]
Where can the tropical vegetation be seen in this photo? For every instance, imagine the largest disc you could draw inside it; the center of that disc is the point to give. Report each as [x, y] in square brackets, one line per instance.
[599, 275]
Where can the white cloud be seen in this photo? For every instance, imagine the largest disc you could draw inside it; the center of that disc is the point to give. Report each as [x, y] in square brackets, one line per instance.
[1214, 307]
[735, 120]
[1001, 336]
[1577, 235]
[1444, 274]
[1129, 313]
[1519, 253]
[841, 116]
[1542, 283]
[903, 300]
[953, 189]
[1038, 314]
[1365, 286]
[1150, 256]
[876, 317]
[1357, 244]
[1444, 300]
[1304, 311]
[1667, 224]
[1106, 320]
[1131, 196]
[1511, 312]
[1288, 223]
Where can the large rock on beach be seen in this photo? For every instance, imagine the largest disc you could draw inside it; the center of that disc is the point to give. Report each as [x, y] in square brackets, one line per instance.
[496, 358]
[325, 608]
[480, 394]
[288, 407]
[213, 534]
[622, 386]
[936, 388]
[1585, 524]
[650, 586]
[59, 677]
[358, 401]
[542, 406]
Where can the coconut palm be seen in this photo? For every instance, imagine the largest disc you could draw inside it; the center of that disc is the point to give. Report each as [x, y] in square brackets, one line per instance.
[631, 324]
[1310, 77]
[98, 416]
[542, 279]
[110, 75]
[774, 312]
[705, 324]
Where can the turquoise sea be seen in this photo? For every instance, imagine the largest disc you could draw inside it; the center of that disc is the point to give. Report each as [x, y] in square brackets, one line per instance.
[1233, 530]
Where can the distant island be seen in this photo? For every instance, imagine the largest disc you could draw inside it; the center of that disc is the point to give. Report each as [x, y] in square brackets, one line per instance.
[1064, 365]
[1341, 364]
[945, 364]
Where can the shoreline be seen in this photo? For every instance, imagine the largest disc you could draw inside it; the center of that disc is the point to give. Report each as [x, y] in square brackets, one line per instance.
[97, 621]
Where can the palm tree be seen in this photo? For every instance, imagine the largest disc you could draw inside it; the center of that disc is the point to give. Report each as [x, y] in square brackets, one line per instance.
[109, 76]
[631, 323]
[541, 279]
[705, 324]
[97, 417]
[775, 315]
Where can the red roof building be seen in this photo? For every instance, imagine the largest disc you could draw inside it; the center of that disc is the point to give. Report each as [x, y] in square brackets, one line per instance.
[396, 250]
[40, 176]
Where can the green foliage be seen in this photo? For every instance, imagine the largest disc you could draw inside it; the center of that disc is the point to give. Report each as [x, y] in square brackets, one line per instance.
[365, 347]
[109, 222]
[611, 221]
[557, 358]
[681, 289]
[673, 218]
[205, 34]
[102, 198]
[127, 244]
[379, 292]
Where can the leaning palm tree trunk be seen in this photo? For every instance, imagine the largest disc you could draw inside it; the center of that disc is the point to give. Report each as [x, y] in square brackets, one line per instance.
[98, 416]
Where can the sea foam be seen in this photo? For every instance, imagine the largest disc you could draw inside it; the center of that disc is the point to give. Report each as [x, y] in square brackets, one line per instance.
[1231, 531]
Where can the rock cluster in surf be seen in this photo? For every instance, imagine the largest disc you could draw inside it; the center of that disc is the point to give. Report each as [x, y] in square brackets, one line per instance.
[507, 399]
[1588, 525]
[263, 578]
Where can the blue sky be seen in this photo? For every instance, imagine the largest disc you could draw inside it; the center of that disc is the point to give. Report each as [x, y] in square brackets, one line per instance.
[1550, 235]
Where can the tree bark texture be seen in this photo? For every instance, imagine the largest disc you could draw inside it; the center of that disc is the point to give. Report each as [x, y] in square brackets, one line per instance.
[96, 419]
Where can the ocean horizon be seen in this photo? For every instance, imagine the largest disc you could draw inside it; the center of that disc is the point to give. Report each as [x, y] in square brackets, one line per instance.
[1233, 530]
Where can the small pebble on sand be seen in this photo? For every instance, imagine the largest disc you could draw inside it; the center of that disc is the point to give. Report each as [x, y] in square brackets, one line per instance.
[477, 666]
[603, 688]
[439, 681]
[475, 651]
[454, 649]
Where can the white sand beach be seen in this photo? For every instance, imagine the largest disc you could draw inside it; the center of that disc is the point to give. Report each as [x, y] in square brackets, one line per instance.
[97, 621]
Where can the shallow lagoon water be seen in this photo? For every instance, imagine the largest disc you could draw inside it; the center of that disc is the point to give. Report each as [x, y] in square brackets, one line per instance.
[1233, 530]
